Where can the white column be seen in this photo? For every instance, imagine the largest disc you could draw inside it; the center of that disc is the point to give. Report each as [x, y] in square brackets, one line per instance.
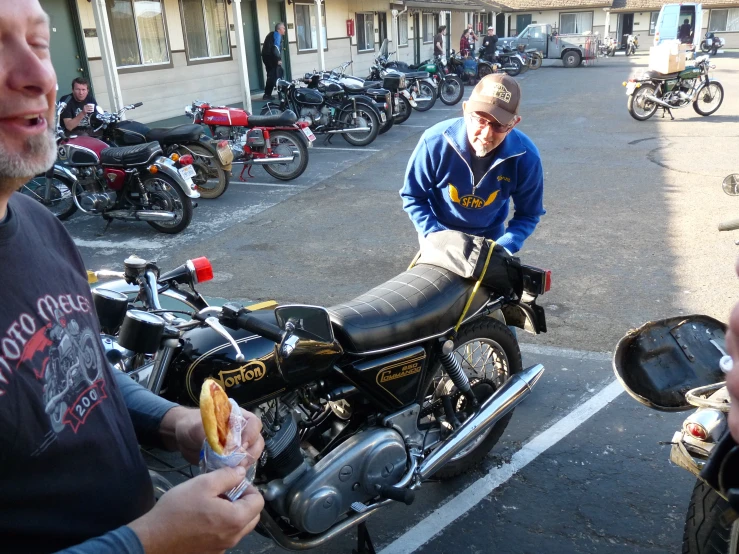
[319, 33]
[505, 25]
[607, 31]
[395, 32]
[241, 50]
[107, 55]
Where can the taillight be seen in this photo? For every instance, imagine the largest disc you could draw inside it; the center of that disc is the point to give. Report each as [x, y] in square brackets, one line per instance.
[547, 280]
[202, 269]
[187, 159]
[697, 430]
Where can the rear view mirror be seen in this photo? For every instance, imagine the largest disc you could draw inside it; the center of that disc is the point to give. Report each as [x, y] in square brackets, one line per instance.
[731, 184]
[662, 360]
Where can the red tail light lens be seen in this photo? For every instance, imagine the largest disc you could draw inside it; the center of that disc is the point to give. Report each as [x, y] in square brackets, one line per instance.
[186, 159]
[547, 280]
[203, 269]
[697, 430]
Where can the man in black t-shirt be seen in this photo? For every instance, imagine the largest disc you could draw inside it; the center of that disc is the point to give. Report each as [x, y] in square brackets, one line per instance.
[80, 105]
[488, 45]
[71, 474]
[439, 41]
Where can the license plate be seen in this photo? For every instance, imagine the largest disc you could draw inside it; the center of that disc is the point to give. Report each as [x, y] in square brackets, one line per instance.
[383, 117]
[308, 133]
[187, 173]
[630, 89]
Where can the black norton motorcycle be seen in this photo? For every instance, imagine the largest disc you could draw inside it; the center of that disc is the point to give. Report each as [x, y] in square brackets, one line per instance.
[328, 109]
[360, 402]
[674, 91]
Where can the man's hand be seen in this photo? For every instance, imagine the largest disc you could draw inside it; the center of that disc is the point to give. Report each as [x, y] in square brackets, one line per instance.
[89, 108]
[732, 378]
[191, 518]
[182, 429]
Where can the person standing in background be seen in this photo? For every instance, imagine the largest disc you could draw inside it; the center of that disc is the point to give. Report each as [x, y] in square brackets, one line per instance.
[439, 41]
[471, 38]
[272, 58]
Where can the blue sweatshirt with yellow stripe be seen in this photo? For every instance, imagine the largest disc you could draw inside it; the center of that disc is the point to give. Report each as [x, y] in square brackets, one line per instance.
[439, 193]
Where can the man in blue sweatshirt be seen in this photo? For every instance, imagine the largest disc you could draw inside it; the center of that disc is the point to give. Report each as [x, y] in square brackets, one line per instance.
[464, 172]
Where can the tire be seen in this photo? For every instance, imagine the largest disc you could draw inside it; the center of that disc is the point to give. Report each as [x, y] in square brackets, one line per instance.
[211, 179]
[270, 109]
[517, 69]
[425, 90]
[500, 341]
[484, 70]
[451, 90]
[363, 139]
[706, 530]
[405, 110]
[167, 195]
[628, 51]
[385, 127]
[289, 140]
[535, 62]
[612, 52]
[704, 47]
[644, 111]
[61, 201]
[571, 58]
[714, 51]
[716, 91]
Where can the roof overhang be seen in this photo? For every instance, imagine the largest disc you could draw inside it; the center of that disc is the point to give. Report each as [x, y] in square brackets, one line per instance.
[451, 6]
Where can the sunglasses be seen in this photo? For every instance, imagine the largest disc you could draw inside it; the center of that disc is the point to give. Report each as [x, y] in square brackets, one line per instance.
[482, 122]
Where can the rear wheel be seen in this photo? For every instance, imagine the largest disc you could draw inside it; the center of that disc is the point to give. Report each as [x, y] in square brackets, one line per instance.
[707, 530]
[484, 70]
[366, 118]
[211, 178]
[425, 90]
[166, 195]
[451, 90]
[60, 202]
[709, 99]
[516, 69]
[385, 127]
[286, 144]
[639, 107]
[404, 110]
[489, 355]
[571, 59]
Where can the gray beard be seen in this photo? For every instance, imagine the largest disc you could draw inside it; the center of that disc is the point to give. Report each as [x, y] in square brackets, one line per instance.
[38, 155]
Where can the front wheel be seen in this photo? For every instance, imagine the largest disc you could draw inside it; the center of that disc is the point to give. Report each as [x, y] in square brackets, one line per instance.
[709, 99]
[366, 118]
[404, 110]
[516, 69]
[60, 201]
[706, 529]
[489, 355]
[385, 127]
[704, 47]
[714, 51]
[483, 70]
[451, 90]
[166, 195]
[571, 59]
[425, 90]
[535, 62]
[210, 176]
[286, 144]
[640, 108]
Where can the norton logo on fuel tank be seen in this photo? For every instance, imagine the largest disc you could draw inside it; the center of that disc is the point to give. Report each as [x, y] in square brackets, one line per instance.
[250, 371]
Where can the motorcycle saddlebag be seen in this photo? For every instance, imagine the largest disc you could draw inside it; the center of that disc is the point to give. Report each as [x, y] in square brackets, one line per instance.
[662, 360]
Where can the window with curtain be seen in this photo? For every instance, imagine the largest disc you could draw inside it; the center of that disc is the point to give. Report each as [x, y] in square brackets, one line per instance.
[724, 20]
[403, 30]
[306, 23]
[575, 23]
[206, 36]
[137, 30]
[365, 31]
[653, 21]
[428, 28]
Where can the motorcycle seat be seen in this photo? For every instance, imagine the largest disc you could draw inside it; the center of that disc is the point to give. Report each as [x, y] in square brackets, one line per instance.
[421, 302]
[662, 76]
[417, 74]
[169, 135]
[283, 119]
[138, 154]
[372, 84]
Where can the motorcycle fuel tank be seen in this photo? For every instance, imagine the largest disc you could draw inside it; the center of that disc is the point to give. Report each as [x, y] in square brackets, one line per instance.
[233, 117]
[309, 96]
[80, 151]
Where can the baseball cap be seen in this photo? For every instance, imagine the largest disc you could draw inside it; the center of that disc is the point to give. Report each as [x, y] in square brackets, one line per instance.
[497, 95]
[490, 28]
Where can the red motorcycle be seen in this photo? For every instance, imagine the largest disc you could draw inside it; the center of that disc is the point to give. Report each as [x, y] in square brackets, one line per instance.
[276, 142]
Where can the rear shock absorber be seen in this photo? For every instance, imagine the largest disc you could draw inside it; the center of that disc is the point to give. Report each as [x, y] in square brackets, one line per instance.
[456, 373]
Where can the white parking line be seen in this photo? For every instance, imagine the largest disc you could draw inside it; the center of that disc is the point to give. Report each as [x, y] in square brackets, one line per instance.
[542, 350]
[437, 521]
[132, 244]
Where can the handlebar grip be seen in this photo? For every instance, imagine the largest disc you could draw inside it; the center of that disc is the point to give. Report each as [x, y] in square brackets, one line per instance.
[137, 104]
[729, 225]
[269, 331]
[406, 496]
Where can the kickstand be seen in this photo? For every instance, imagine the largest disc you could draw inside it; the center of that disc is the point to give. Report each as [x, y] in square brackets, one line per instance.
[247, 168]
[364, 542]
[327, 140]
[107, 226]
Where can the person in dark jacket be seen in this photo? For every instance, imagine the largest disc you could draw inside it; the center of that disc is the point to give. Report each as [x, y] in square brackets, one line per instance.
[685, 33]
[464, 43]
[272, 58]
[489, 43]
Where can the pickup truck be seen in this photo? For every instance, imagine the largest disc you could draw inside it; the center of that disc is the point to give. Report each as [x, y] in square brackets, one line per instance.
[571, 49]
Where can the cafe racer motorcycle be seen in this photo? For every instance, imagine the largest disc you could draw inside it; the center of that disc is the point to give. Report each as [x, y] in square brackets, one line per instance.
[360, 402]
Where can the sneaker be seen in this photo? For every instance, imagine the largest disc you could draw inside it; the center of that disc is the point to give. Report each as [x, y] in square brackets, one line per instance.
[265, 97]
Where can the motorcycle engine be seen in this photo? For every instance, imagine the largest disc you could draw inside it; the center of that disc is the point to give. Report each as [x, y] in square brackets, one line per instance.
[314, 495]
[314, 115]
[96, 202]
[222, 133]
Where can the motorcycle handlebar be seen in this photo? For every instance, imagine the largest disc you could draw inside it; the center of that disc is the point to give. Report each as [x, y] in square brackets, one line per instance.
[729, 225]
[269, 331]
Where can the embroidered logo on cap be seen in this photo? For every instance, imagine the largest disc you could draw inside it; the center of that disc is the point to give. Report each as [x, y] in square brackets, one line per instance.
[497, 90]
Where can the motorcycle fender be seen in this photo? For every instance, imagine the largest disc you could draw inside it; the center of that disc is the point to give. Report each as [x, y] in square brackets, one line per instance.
[409, 97]
[527, 316]
[61, 171]
[162, 165]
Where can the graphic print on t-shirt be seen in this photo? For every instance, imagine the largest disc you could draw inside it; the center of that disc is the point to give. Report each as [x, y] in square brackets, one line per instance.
[62, 354]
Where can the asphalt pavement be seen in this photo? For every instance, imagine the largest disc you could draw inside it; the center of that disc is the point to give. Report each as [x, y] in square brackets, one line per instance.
[630, 234]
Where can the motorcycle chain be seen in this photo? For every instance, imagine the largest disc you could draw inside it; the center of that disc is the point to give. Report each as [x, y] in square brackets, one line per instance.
[437, 404]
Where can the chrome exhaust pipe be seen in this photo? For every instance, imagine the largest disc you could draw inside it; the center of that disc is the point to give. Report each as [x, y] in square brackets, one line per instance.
[142, 216]
[267, 161]
[657, 101]
[493, 409]
[341, 131]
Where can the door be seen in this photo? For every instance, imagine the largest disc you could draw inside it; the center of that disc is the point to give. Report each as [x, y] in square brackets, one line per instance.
[522, 21]
[666, 28]
[67, 53]
[538, 38]
[253, 44]
[627, 27]
[500, 25]
[276, 14]
[382, 26]
[417, 38]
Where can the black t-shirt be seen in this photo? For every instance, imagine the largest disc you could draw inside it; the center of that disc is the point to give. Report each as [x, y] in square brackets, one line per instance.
[74, 108]
[489, 42]
[70, 467]
[480, 165]
[438, 39]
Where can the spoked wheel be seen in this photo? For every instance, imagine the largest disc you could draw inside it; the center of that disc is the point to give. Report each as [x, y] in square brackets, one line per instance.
[425, 90]
[451, 90]
[165, 195]
[211, 179]
[366, 118]
[489, 355]
[639, 107]
[404, 111]
[484, 70]
[60, 201]
[516, 69]
[286, 144]
[709, 99]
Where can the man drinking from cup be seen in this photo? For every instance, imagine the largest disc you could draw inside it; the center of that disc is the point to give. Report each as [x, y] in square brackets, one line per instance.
[80, 105]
